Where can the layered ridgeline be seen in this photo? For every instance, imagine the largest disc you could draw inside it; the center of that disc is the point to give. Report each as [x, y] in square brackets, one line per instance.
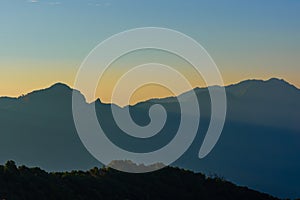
[105, 183]
[259, 146]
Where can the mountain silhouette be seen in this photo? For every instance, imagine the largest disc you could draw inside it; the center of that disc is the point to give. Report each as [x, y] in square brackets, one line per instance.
[105, 183]
[259, 146]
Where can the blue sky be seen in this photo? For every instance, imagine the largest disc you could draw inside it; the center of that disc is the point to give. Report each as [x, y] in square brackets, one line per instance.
[44, 41]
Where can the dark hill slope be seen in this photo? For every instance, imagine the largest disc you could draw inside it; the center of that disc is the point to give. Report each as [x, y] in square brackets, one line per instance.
[169, 183]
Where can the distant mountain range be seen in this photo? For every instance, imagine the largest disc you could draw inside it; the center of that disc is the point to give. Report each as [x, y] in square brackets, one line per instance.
[259, 146]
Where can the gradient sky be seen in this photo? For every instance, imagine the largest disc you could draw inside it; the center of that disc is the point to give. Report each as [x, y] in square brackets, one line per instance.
[45, 41]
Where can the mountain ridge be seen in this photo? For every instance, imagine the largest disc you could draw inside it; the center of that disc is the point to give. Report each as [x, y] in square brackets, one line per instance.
[259, 144]
[61, 85]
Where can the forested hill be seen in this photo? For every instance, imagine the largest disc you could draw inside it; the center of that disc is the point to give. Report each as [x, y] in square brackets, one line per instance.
[105, 183]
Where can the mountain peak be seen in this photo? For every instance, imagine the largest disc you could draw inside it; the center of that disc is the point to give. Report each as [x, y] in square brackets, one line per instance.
[271, 82]
[261, 88]
[55, 90]
[60, 85]
[277, 81]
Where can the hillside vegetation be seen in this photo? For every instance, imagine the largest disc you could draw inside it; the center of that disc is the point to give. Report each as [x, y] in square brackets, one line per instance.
[105, 183]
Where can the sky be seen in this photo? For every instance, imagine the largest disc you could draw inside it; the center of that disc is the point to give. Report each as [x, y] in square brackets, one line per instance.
[45, 41]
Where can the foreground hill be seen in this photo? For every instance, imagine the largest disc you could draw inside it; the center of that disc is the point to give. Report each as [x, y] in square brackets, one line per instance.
[259, 146]
[169, 183]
